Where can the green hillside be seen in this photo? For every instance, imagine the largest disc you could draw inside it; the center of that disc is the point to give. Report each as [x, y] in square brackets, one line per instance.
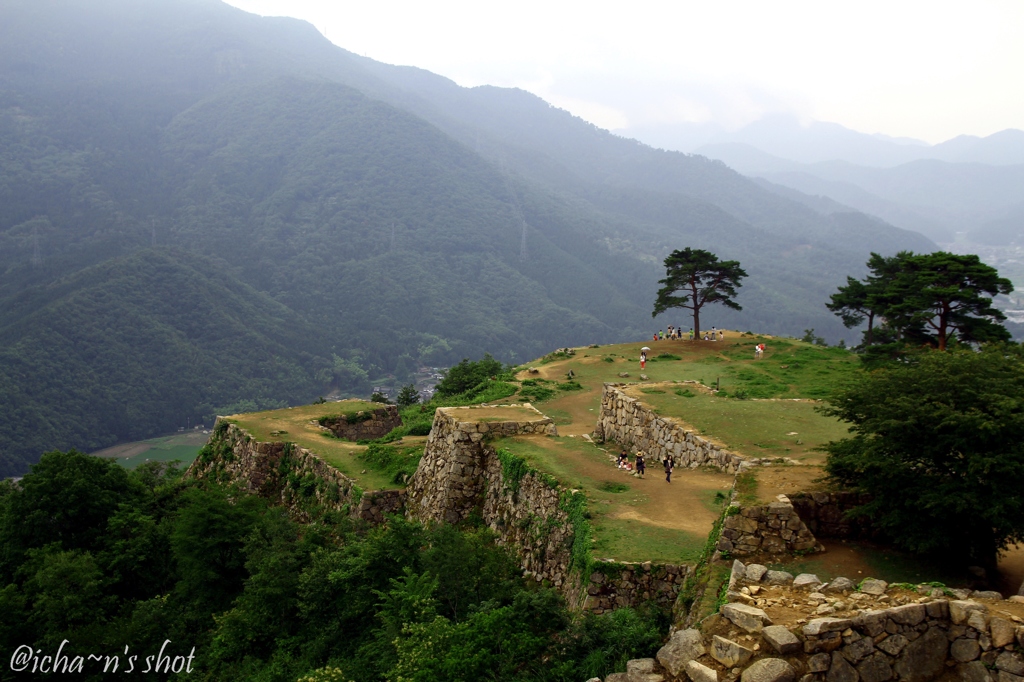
[141, 345]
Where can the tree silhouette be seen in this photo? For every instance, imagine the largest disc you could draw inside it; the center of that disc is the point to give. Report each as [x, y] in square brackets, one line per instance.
[694, 278]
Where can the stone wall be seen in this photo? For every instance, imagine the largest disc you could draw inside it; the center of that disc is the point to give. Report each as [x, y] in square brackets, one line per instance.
[450, 482]
[366, 425]
[825, 515]
[615, 585]
[777, 628]
[628, 422]
[288, 475]
[461, 474]
[774, 528]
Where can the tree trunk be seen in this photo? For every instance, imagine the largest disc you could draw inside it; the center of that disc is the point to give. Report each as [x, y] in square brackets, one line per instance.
[943, 316]
[871, 328]
[696, 309]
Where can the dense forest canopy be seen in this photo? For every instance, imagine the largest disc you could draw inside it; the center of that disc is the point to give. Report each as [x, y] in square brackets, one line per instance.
[202, 208]
[104, 557]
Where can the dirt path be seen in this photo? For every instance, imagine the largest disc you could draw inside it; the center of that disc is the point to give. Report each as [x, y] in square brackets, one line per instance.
[684, 504]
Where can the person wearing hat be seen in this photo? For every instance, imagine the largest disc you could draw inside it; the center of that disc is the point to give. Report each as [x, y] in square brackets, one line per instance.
[668, 469]
[641, 466]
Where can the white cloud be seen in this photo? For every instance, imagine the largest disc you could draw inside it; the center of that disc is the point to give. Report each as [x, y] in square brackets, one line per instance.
[929, 69]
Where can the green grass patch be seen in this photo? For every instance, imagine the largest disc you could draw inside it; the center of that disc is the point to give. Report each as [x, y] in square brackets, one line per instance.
[613, 487]
[713, 500]
[684, 393]
[560, 417]
[756, 428]
[652, 391]
[536, 394]
[667, 356]
[396, 464]
[746, 489]
[629, 540]
[570, 386]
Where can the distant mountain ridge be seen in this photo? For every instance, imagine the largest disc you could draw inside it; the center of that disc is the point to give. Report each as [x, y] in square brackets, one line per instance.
[935, 198]
[785, 137]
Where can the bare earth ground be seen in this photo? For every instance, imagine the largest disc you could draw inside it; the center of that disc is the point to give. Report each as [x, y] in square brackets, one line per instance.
[776, 480]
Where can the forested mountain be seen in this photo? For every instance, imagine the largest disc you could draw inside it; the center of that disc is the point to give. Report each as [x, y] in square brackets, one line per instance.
[200, 207]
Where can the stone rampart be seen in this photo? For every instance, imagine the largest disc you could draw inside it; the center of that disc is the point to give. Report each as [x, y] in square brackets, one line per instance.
[450, 482]
[825, 515]
[774, 528]
[633, 425]
[364, 425]
[461, 473]
[288, 475]
[615, 585]
[775, 627]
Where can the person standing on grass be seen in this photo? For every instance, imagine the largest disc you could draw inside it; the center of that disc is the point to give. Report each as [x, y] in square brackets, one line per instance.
[691, 333]
[668, 469]
[641, 465]
[643, 359]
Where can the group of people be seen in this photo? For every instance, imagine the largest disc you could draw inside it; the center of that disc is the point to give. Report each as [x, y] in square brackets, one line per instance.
[759, 351]
[639, 464]
[677, 333]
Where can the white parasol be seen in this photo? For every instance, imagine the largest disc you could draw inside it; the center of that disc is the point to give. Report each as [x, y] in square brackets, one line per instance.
[645, 348]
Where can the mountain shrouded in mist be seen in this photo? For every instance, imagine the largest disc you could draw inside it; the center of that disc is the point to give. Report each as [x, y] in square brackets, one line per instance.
[201, 208]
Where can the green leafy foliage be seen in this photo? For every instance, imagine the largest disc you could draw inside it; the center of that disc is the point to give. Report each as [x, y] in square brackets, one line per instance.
[935, 299]
[513, 469]
[263, 598]
[936, 442]
[407, 396]
[701, 278]
[467, 375]
[397, 463]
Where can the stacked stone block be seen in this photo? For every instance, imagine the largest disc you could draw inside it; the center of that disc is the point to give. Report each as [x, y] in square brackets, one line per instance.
[775, 528]
[450, 482]
[634, 583]
[378, 423]
[627, 421]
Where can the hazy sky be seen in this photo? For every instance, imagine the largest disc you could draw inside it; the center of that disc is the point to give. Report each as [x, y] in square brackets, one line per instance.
[926, 69]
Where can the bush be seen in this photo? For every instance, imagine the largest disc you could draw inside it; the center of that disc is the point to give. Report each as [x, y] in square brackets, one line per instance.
[467, 375]
[939, 445]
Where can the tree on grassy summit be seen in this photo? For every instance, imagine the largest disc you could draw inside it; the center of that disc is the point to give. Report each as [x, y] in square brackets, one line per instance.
[938, 443]
[701, 278]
